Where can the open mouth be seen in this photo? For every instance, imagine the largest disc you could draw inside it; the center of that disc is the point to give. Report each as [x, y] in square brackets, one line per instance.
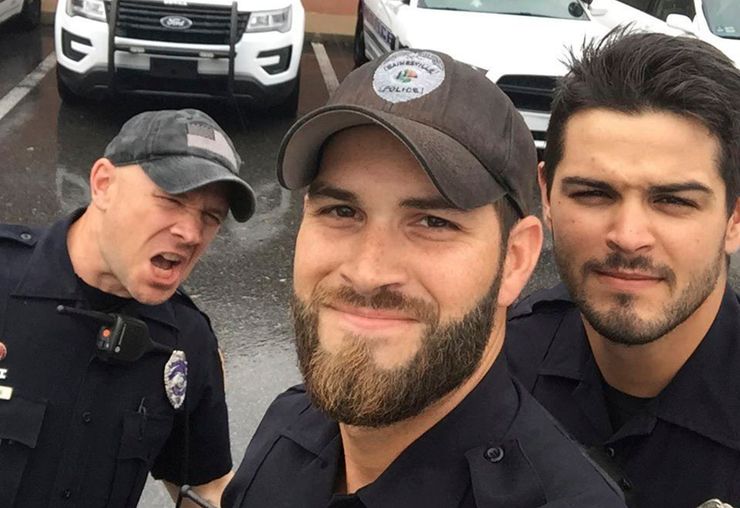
[167, 261]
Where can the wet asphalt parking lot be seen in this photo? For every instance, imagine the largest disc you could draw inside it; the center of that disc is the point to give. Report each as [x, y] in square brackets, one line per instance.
[244, 280]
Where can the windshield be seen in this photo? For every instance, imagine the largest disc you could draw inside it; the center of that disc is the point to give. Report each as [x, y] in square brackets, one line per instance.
[723, 17]
[564, 9]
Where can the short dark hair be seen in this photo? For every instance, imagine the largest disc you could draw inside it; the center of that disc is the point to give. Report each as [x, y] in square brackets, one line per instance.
[635, 72]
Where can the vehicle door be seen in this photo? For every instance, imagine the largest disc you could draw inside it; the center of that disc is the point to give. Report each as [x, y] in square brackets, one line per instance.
[380, 18]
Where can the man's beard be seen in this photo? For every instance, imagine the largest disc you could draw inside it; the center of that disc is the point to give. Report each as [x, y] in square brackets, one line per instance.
[620, 323]
[349, 387]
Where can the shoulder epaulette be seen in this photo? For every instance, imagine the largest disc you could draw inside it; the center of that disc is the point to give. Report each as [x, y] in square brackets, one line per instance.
[556, 296]
[19, 233]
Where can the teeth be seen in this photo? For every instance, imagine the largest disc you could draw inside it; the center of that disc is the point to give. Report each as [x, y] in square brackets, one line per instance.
[174, 258]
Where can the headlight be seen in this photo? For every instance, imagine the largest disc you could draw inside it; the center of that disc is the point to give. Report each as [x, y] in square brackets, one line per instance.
[93, 9]
[268, 21]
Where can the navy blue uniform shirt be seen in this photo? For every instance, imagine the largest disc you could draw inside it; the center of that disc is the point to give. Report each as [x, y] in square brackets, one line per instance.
[683, 447]
[497, 448]
[77, 431]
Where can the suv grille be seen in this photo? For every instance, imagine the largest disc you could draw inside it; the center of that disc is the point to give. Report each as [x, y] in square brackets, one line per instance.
[533, 93]
[141, 20]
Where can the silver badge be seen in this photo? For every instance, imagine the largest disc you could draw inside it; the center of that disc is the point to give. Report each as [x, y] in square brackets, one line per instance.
[714, 503]
[408, 75]
[176, 378]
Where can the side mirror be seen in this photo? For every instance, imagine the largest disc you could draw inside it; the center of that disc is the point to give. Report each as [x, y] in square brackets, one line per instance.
[597, 8]
[681, 22]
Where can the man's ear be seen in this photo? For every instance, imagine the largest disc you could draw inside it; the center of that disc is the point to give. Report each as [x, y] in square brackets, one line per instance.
[543, 195]
[102, 177]
[522, 253]
[732, 235]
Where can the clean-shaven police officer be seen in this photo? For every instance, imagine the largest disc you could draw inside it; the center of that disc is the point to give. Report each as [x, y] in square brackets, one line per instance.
[86, 413]
[416, 235]
[637, 353]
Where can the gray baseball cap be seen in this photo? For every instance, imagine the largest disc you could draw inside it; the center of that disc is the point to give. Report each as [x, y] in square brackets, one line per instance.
[182, 150]
[464, 131]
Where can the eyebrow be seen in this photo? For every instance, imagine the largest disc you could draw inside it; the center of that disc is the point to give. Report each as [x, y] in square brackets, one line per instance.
[321, 190]
[422, 203]
[689, 186]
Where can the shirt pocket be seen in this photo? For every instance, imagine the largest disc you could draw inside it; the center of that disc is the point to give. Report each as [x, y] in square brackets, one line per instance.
[142, 439]
[20, 426]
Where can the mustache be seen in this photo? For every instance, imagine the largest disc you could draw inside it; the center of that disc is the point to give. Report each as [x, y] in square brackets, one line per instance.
[618, 261]
[382, 299]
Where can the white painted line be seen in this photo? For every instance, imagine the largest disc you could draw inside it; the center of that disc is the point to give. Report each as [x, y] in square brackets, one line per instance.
[17, 94]
[327, 71]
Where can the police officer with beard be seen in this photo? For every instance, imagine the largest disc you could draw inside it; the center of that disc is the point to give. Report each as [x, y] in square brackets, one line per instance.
[416, 236]
[637, 352]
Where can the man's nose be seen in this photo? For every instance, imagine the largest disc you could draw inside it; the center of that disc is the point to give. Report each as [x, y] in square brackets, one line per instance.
[189, 227]
[631, 228]
[375, 260]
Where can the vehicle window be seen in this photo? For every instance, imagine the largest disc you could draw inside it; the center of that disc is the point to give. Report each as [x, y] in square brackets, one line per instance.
[642, 5]
[565, 9]
[723, 17]
[663, 8]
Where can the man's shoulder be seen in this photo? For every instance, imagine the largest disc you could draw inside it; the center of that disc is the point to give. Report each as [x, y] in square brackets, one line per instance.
[190, 317]
[531, 328]
[567, 474]
[553, 300]
[287, 406]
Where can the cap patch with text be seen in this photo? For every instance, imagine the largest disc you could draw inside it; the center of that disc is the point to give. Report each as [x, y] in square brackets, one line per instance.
[408, 75]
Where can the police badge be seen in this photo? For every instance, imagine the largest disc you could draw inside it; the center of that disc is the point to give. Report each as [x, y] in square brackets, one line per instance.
[176, 378]
[714, 503]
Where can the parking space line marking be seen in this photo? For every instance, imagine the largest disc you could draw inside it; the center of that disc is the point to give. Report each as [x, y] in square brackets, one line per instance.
[28, 83]
[327, 71]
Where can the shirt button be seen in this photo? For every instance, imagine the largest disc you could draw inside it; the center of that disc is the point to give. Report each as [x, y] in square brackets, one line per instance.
[610, 452]
[66, 494]
[625, 484]
[87, 417]
[495, 454]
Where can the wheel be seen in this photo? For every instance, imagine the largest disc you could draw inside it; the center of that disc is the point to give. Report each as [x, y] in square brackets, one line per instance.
[65, 93]
[358, 49]
[30, 15]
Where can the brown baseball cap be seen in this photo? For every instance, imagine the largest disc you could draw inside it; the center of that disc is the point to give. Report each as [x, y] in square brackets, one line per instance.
[464, 131]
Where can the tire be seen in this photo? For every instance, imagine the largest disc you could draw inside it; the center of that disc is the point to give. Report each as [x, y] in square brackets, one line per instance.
[30, 15]
[67, 95]
[358, 50]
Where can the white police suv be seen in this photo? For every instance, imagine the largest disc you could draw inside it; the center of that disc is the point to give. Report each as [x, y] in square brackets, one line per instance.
[521, 43]
[245, 49]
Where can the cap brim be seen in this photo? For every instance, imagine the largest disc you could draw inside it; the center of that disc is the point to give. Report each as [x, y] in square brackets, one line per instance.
[456, 173]
[183, 173]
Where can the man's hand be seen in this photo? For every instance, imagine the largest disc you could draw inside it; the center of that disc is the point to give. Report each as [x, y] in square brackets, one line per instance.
[210, 491]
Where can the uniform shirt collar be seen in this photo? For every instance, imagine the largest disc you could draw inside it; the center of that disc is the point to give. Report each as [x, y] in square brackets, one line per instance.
[437, 459]
[50, 275]
[700, 384]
